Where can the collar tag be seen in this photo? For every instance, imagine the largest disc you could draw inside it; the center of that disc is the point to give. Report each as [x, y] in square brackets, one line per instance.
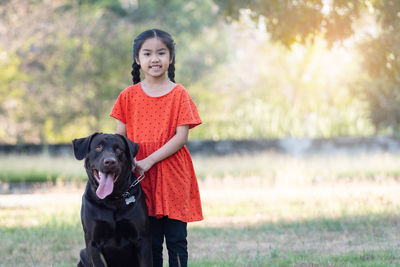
[130, 200]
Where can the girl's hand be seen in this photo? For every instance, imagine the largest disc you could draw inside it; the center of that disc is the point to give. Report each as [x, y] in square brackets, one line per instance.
[144, 165]
[134, 164]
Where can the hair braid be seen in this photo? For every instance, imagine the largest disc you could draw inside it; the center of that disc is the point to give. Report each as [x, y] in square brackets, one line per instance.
[135, 72]
[171, 71]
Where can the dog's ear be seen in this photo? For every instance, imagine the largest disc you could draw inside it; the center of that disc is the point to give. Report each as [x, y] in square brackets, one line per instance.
[132, 146]
[81, 146]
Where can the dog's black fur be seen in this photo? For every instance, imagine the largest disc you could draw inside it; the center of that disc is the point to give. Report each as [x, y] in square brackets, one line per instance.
[117, 226]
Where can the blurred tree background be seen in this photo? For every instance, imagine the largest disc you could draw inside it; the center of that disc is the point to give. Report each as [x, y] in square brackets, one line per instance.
[256, 69]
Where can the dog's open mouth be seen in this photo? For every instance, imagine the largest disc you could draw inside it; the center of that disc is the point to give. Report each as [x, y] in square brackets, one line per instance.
[106, 183]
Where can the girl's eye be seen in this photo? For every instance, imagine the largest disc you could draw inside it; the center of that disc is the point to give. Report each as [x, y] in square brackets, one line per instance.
[99, 148]
[162, 53]
[147, 54]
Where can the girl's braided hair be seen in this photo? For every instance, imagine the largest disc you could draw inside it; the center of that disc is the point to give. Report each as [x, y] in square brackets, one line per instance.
[166, 38]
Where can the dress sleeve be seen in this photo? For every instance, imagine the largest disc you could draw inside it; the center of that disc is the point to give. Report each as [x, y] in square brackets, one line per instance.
[118, 111]
[188, 114]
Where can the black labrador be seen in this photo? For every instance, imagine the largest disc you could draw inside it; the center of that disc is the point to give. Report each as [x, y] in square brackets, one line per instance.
[114, 213]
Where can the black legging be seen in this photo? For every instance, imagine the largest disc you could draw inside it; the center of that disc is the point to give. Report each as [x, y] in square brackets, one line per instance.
[175, 233]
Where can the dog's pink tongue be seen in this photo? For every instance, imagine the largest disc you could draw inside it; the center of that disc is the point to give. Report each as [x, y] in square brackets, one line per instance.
[106, 185]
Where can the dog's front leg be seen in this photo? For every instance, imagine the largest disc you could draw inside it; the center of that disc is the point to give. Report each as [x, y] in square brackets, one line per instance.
[144, 253]
[96, 256]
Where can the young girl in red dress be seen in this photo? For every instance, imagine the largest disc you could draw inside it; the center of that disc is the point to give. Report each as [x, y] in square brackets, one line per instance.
[157, 114]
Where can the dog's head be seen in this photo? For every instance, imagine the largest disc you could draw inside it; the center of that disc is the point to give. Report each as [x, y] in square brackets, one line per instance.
[109, 157]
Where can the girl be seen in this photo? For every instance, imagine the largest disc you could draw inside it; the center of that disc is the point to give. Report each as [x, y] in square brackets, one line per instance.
[157, 114]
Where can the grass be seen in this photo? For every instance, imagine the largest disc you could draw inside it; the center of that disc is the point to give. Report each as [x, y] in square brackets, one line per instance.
[42, 168]
[44, 230]
[283, 211]
[278, 168]
[274, 168]
[37, 238]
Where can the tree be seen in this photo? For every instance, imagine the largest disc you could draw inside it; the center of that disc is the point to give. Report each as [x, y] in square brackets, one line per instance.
[382, 61]
[300, 21]
[72, 58]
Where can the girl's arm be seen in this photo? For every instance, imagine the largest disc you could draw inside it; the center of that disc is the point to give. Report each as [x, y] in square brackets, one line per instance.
[121, 128]
[172, 146]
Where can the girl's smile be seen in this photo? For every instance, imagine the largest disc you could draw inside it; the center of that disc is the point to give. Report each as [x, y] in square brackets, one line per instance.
[155, 67]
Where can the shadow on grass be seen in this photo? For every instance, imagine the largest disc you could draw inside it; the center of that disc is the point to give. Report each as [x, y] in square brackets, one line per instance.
[348, 241]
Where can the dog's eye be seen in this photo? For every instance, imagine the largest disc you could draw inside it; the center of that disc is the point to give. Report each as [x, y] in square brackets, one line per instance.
[118, 150]
[99, 148]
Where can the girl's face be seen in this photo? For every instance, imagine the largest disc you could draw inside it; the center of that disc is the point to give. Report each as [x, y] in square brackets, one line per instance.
[154, 58]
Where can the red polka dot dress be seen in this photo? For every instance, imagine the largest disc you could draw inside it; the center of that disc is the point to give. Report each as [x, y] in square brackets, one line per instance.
[170, 185]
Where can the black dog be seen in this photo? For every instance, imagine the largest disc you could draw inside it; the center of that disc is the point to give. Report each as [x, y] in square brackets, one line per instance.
[114, 212]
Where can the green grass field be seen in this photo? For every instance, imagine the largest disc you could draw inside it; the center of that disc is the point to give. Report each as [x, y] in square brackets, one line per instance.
[260, 210]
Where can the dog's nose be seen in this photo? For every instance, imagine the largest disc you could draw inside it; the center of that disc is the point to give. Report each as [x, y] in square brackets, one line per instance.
[109, 161]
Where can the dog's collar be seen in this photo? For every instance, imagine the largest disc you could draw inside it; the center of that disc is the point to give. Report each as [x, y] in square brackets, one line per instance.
[128, 196]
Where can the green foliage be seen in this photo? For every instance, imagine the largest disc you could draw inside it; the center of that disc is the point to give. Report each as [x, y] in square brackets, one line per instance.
[290, 22]
[76, 67]
[11, 92]
[275, 92]
[193, 25]
[297, 21]
[60, 80]
[382, 61]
